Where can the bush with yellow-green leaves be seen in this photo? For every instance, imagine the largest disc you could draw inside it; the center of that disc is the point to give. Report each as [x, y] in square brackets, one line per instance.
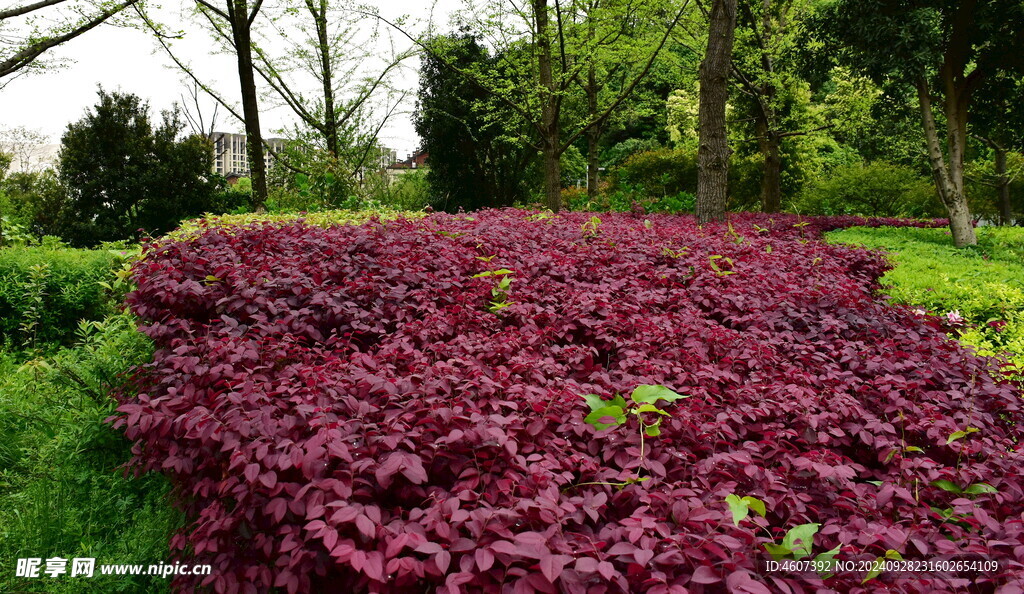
[977, 292]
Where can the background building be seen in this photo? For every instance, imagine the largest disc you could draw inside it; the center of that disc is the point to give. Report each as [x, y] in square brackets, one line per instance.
[230, 156]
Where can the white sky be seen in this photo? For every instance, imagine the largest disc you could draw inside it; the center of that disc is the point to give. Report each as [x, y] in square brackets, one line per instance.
[129, 60]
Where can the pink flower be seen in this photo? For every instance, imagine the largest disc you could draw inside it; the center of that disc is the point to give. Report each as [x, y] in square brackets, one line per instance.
[954, 317]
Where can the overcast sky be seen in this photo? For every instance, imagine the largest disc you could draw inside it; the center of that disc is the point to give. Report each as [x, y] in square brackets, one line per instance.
[129, 60]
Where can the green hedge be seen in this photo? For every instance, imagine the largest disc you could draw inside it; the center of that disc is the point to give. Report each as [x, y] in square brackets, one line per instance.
[45, 291]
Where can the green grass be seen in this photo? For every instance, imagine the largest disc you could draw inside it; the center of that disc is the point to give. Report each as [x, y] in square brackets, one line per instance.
[984, 283]
[62, 488]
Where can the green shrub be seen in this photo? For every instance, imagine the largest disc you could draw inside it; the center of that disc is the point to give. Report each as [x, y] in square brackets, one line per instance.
[45, 291]
[984, 285]
[326, 218]
[63, 490]
[657, 173]
[875, 189]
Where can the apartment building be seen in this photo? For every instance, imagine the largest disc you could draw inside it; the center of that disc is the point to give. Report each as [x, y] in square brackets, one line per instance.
[230, 156]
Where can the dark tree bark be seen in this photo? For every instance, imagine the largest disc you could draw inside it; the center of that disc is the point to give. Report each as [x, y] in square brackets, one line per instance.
[551, 149]
[593, 134]
[771, 178]
[319, 14]
[713, 152]
[240, 17]
[950, 187]
[958, 88]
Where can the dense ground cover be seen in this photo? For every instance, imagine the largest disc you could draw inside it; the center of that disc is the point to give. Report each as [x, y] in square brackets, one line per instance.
[978, 292]
[399, 405]
[63, 492]
[44, 291]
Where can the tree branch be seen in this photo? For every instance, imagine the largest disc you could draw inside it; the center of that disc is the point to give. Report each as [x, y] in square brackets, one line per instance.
[34, 50]
[14, 12]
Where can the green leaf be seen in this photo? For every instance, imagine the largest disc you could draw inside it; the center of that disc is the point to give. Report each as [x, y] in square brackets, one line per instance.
[876, 570]
[652, 430]
[778, 552]
[823, 559]
[979, 488]
[755, 504]
[961, 434]
[912, 449]
[595, 402]
[618, 401]
[651, 394]
[740, 509]
[649, 408]
[947, 486]
[614, 412]
[804, 534]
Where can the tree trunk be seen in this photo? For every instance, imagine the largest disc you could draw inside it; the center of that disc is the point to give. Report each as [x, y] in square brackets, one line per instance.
[549, 110]
[950, 193]
[713, 151]
[593, 133]
[319, 14]
[238, 11]
[1002, 186]
[771, 177]
[592, 163]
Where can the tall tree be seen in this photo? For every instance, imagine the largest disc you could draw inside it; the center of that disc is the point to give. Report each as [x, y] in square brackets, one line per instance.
[122, 173]
[554, 67]
[21, 50]
[713, 151]
[475, 159]
[238, 17]
[945, 50]
[336, 50]
[768, 34]
[999, 123]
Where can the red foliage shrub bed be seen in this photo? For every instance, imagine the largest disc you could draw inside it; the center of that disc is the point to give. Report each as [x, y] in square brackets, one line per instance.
[356, 409]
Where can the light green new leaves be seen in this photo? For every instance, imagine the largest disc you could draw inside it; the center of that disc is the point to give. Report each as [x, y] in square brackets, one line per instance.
[957, 435]
[879, 564]
[616, 409]
[974, 489]
[798, 542]
[601, 409]
[741, 506]
[651, 394]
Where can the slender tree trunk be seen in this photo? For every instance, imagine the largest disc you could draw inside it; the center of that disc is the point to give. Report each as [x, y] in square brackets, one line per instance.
[592, 163]
[319, 14]
[240, 30]
[593, 133]
[1003, 186]
[549, 110]
[713, 152]
[771, 176]
[949, 186]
